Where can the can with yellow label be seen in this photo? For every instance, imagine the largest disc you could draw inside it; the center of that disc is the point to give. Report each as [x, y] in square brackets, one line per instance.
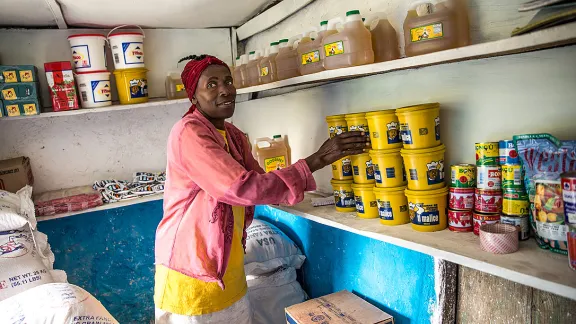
[487, 153]
[515, 202]
[463, 176]
[512, 176]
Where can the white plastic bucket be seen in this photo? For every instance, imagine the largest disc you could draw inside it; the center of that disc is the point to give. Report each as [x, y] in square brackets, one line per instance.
[127, 49]
[94, 87]
[88, 52]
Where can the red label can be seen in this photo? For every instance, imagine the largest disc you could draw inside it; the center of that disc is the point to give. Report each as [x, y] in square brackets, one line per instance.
[460, 220]
[569, 196]
[571, 237]
[481, 219]
[488, 201]
[461, 199]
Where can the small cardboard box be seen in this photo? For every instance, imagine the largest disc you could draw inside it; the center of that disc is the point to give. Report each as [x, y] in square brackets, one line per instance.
[339, 308]
[22, 107]
[18, 73]
[15, 174]
[20, 90]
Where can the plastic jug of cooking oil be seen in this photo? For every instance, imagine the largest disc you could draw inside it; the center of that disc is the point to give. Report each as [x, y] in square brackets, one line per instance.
[384, 38]
[253, 69]
[429, 28]
[174, 86]
[286, 60]
[460, 10]
[237, 73]
[350, 47]
[272, 154]
[309, 50]
[241, 76]
[268, 71]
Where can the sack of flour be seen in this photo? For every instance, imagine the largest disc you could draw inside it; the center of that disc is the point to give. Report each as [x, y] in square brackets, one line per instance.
[17, 210]
[268, 248]
[55, 303]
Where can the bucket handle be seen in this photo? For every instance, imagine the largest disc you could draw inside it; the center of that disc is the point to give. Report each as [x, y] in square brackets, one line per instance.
[122, 26]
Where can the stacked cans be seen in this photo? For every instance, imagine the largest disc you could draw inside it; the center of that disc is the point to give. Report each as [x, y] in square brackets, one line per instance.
[515, 201]
[488, 192]
[569, 200]
[461, 201]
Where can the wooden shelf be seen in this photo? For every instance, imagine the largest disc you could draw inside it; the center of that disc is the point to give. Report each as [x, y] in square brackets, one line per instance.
[530, 265]
[548, 38]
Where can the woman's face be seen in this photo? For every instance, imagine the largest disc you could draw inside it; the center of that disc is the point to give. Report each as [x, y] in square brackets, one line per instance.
[215, 94]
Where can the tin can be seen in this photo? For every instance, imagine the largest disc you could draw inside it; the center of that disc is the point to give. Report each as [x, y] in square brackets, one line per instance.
[461, 199]
[489, 177]
[463, 176]
[481, 219]
[460, 220]
[515, 202]
[571, 237]
[487, 153]
[507, 152]
[512, 176]
[521, 224]
[488, 201]
[569, 196]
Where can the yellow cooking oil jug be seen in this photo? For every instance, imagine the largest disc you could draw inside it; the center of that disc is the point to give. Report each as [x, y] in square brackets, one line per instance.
[272, 154]
[430, 28]
[287, 59]
[350, 47]
[309, 51]
[268, 65]
[253, 69]
[384, 38]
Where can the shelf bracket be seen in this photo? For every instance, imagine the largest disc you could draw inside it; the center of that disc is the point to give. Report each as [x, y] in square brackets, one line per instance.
[57, 13]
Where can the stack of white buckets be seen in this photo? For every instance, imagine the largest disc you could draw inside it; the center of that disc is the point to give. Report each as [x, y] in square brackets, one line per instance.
[92, 76]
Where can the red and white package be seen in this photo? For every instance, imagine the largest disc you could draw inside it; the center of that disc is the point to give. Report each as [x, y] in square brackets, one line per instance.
[67, 200]
[61, 85]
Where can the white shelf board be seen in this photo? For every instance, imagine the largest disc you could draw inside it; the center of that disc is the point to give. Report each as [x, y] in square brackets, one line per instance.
[530, 265]
[547, 38]
[117, 107]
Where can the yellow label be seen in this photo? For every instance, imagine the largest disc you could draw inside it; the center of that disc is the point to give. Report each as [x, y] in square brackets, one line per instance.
[275, 163]
[9, 94]
[264, 71]
[179, 87]
[311, 57]
[26, 76]
[427, 32]
[13, 110]
[335, 48]
[30, 109]
[10, 76]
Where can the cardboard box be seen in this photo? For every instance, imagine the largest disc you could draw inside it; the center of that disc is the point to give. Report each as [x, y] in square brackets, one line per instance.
[22, 107]
[15, 174]
[18, 73]
[20, 90]
[2, 112]
[339, 308]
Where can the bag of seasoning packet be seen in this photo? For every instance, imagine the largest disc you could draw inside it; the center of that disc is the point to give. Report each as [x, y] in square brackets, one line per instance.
[544, 158]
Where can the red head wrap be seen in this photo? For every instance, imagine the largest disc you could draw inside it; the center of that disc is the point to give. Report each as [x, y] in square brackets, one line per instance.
[192, 72]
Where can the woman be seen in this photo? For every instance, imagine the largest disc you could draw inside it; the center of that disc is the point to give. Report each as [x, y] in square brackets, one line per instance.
[212, 185]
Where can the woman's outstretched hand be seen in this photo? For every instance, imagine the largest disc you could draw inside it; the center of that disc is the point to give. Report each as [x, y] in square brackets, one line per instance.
[349, 143]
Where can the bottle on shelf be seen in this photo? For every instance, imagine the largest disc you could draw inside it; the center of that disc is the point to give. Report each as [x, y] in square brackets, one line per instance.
[384, 38]
[253, 69]
[309, 55]
[237, 73]
[272, 154]
[268, 71]
[174, 86]
[350, 47]
[286, 60]
[241, 73]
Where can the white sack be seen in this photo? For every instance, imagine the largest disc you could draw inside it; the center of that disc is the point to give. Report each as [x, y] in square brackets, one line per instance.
[17, 210]
[55, 303]
[268, 249]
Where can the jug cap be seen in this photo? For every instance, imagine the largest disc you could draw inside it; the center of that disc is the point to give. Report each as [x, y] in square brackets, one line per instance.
[276, 136]
[284, 40]
[237, 57]
[352, 12]
[253, 52]
[324, 22]
[274, 44]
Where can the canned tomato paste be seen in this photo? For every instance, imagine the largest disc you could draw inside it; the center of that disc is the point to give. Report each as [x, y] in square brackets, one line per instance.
[488, 201]
[487, 153]
[463, 176]
[489, 177]
[507, 152]
[521, 224]
[481, 219]
[460, 220]
[569, 196]
[512, 176]
[515, 202]
[461, 199]
[571, 236]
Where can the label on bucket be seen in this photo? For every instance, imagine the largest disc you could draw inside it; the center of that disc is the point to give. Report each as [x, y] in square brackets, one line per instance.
[138, 88]
[344, 199]
[346, 168]
[435, 172]
[421, 214]
[359, 205]
[406, 134]
[392, 133]
[413, 174]
[377, 173]
[133, 53]
[385, 210]
[100, 91]
[437, 128]
[369, 170]
[390, 173]
[81, 56]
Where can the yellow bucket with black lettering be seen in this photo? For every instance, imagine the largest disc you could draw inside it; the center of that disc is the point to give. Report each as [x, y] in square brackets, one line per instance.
[427, 209]
[384, 129]
[392, 205]
[424, 168]
[420, 126]
[132, 85]
[358, 122]
[366, 206]
[336, 125]
[388, 168]
[362, 168]
[343, 195]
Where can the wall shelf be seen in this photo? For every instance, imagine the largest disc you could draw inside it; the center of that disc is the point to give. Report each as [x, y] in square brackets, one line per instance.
[548, 38]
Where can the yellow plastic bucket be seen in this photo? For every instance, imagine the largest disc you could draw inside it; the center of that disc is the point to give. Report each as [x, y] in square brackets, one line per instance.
[336, 125]
[366, 206]
[358, 122]
[427, 209]
[362, 168]
[132, 85]
[342, 169]
[392, 205]
[388, 168]
[384, 130]
[420, 126]
[424, 168]
[343, 195]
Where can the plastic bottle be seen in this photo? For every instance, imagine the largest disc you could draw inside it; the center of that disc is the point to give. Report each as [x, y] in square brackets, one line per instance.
[241, 73]
[237, 73]
[350, 47]
[271, 154]
[174, 86]
[268, 71]
[253, 69]
[460, 10]
[286, 60]
[309, 53]
[429, 28]
[384, 38]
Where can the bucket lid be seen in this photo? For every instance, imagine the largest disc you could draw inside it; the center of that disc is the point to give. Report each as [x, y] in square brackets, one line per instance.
[361, 154]
[336, 181]
[91, 72]
[324, 22]
[384, 152]
[335, 117]
[423, 193]
[356, 115]
[393, 189]
[435, 149]
[86, 35]
[417, 107]
[363, 185]
[352, 12]
[380, 113]
[126, 33]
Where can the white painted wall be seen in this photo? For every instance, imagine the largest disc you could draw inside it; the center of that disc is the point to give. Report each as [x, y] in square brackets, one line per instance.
[483, 100]
[163, 48]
